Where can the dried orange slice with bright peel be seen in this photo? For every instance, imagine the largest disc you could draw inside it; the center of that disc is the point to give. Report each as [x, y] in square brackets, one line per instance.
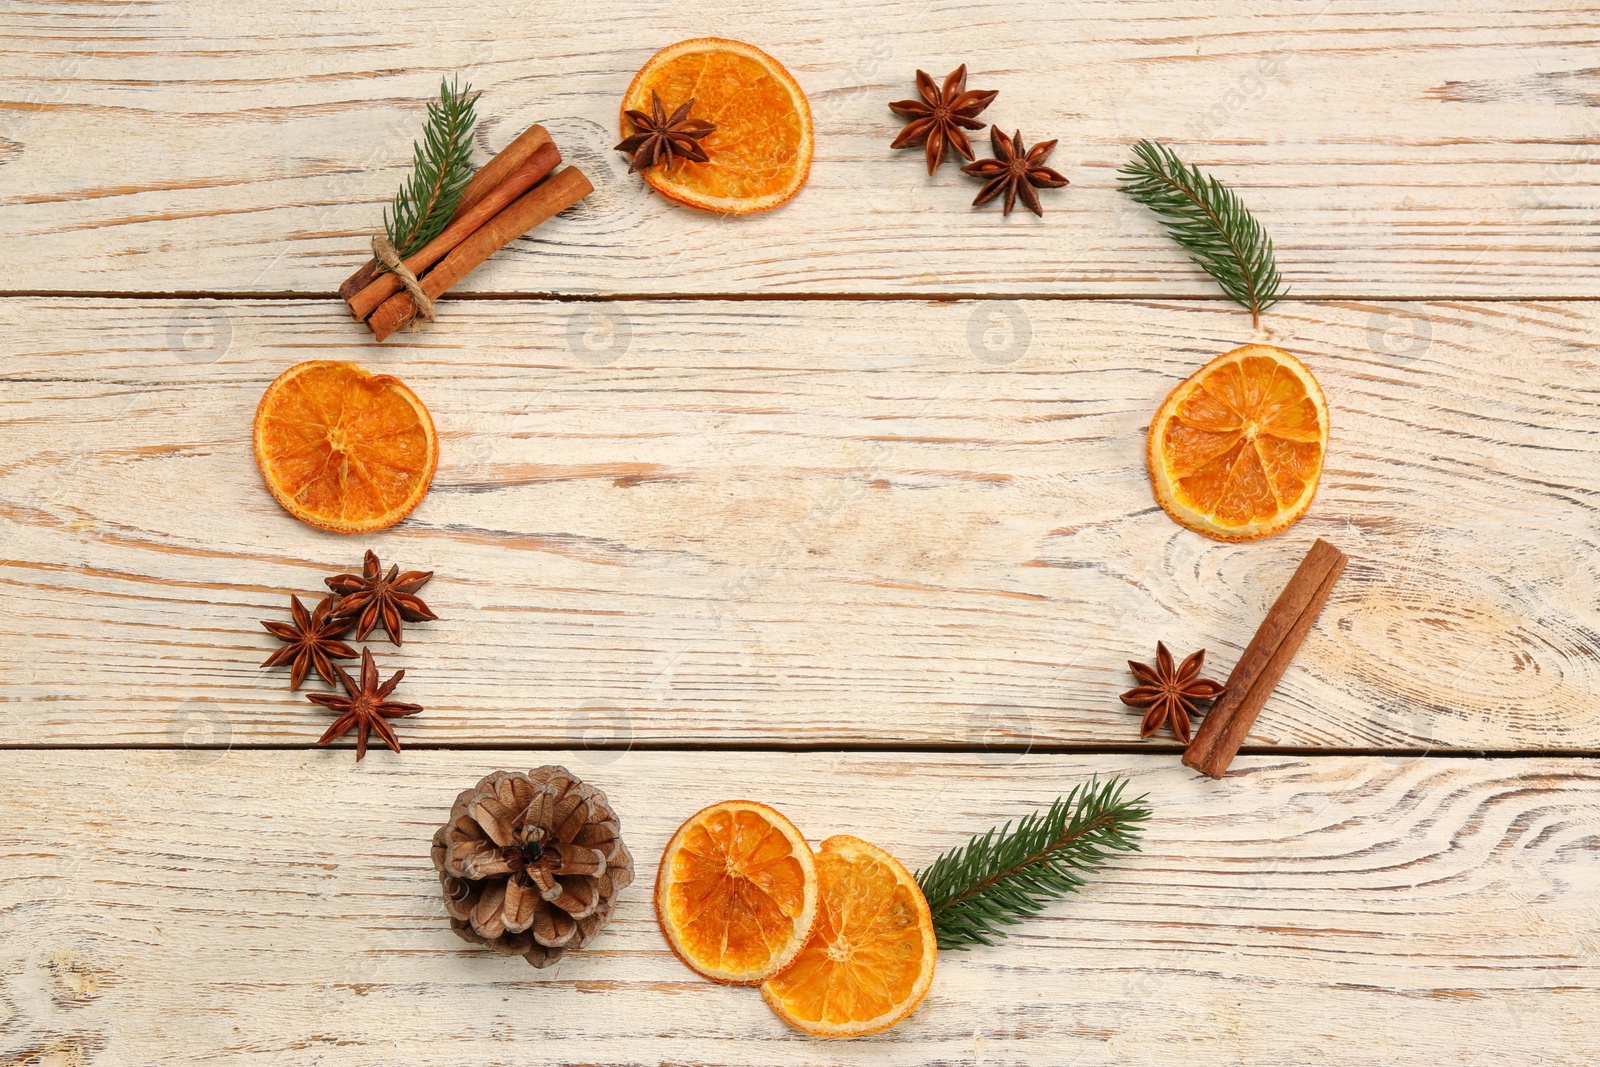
[761, 149]
[1236, 451]
[870, 960]
[736, 894]
[343, 449]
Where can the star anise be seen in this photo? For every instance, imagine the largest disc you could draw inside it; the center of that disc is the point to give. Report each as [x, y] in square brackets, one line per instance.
[1015, 171]
[661, 136]
[312, 641]
[365, 708]
[376, 596]
[938, 118]
[1170, 694]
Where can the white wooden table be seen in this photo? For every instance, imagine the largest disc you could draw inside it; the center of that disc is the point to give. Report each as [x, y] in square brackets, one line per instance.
[841, 507]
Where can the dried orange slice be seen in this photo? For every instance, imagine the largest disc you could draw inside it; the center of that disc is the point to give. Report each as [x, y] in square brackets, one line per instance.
[761, 149]
[870, 960]
[343, 449]
[1236, 451]
[737, 892]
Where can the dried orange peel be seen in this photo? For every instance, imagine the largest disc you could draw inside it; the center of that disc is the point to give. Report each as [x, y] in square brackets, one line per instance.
[736, 894]
[760, 151]
[870, 959]
[1236, 451]
[344, 449]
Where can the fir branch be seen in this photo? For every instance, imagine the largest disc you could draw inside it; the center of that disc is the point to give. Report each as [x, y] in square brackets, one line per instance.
[1209, 222]
[440, 169]
[1003, 876]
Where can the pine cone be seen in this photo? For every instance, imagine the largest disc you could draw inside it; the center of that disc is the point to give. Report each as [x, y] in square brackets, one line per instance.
[531, 864]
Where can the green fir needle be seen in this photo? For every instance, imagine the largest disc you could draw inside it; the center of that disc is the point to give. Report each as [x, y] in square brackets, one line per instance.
[440, 169]
[1209, 222]
[1005, 875]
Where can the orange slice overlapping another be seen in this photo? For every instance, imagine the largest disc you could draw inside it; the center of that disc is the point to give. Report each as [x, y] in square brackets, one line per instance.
[760, 151]
[344, 449]
[736, 894]
[870, 959]
[1236, 451]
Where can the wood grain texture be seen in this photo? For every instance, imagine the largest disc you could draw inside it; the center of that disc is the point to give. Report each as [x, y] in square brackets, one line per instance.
[249, 147]
[836, 524]
[802, 523]
[279, 908]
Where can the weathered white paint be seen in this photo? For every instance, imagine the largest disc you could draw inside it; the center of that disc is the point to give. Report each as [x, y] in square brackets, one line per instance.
[840, 523]
[250, 146]
[803, 522]
[259, 907]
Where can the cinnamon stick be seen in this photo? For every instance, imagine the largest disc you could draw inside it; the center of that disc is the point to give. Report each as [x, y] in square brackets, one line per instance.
[1256, 674]
[556, 193]
[525, 177]
[489, 176]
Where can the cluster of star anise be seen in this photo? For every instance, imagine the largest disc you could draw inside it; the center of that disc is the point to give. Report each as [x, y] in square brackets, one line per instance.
[938, 122]
[312, 642]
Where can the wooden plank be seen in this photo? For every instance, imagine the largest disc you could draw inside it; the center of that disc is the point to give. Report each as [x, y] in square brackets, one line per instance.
[278, 907]
[1391, 150]
[802, 523]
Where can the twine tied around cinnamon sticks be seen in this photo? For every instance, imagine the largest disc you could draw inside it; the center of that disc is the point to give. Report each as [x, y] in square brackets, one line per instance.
[386, 254]
[514, 192]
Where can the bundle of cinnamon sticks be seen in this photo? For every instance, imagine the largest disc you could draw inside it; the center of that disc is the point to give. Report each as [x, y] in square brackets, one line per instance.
[1256, 674]
[514, 192]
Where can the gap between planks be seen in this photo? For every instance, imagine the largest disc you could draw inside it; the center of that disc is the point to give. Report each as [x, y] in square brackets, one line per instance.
[939, 298]
[867, 748]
